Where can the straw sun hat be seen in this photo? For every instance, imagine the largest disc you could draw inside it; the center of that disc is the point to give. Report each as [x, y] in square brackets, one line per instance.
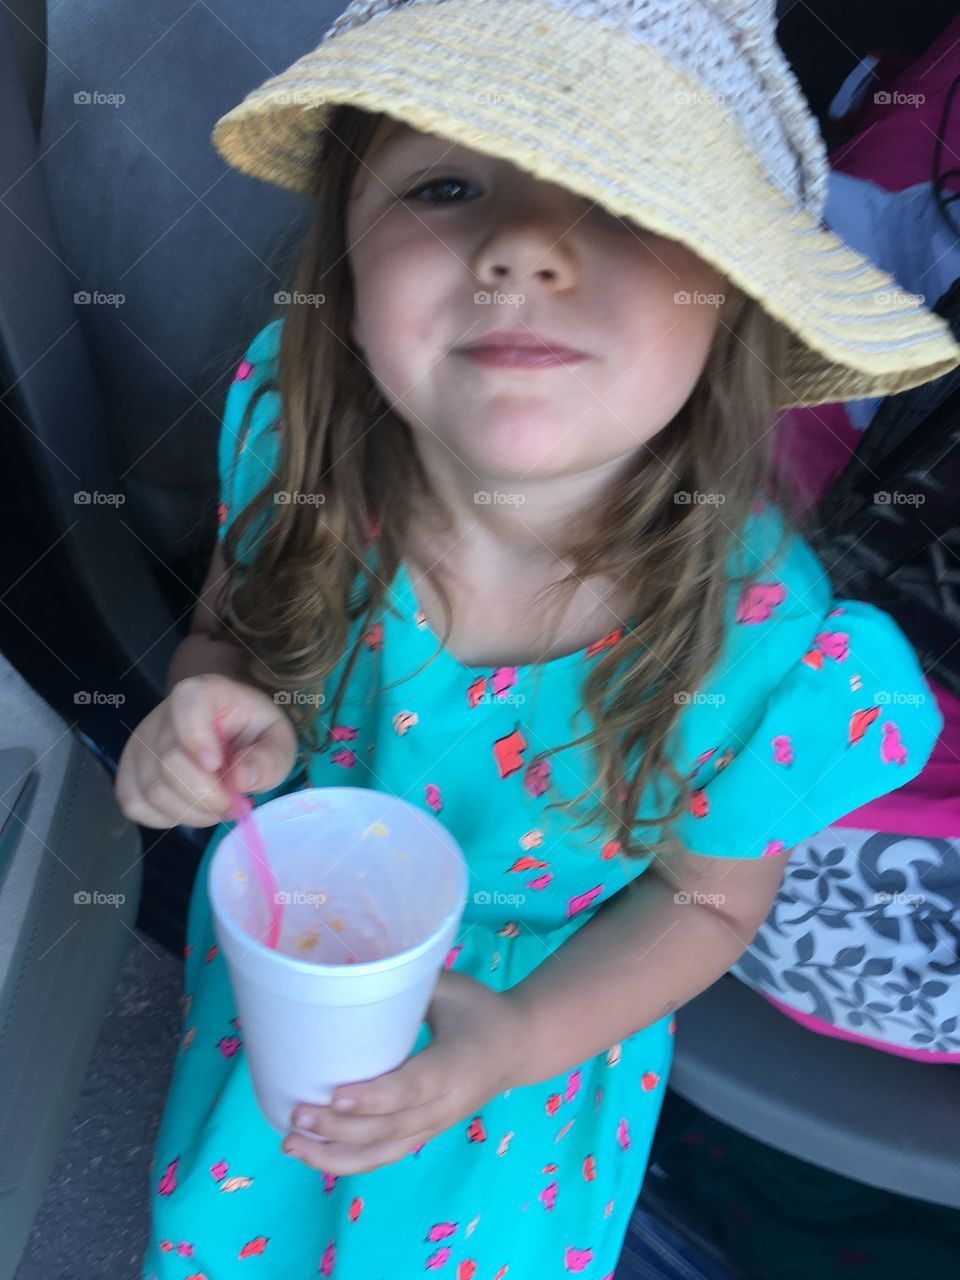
[682, 115]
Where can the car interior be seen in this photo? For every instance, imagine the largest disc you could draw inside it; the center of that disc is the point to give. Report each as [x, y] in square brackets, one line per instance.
[135, 267]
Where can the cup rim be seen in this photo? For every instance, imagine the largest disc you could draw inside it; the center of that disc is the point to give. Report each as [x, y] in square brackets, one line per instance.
[239, 935]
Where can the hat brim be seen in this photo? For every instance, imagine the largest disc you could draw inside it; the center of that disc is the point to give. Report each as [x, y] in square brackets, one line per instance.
[656, 154]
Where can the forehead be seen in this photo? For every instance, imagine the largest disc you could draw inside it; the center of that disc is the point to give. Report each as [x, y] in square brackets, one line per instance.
[390, 132]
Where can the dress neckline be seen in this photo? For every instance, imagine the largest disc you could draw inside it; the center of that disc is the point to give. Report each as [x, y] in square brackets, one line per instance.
[404, 598]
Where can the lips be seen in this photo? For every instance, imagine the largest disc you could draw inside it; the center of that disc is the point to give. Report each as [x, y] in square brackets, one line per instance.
[521, 341]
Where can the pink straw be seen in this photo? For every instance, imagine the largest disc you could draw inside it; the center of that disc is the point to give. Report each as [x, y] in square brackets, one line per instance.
[242, 809]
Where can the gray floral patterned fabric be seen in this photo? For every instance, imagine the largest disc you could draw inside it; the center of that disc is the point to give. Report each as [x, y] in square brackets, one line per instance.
[865, 935]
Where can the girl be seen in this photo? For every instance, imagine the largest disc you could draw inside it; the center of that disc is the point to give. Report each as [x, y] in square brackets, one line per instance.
[532, 350]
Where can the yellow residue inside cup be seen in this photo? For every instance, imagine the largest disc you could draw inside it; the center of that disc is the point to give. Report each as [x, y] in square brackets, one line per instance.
[377, 829]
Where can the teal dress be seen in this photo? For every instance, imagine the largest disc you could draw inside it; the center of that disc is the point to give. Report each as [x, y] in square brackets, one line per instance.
[815, 707]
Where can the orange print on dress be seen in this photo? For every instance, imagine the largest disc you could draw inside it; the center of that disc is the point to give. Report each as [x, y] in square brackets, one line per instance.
[504, 1144]
[610, 850]
[188, 1039]
[577, 1259]
[476, 691]
[526, 864]
[404, 721]
[566, 1129]
[757, 603]
[613, 1055]
[508, 753]
[356, 1208]
[466, 1269]
[589, 1168]
[532, 839]
[552, 1104]
[476, 1131]
[649, 1080]
[253, 1248]
[222, 512]
[230, 1185]
[373, 636]
[699, 803]
[509, 930]
[211, 953]
[451, 956]
[860, 722]
[607, 642]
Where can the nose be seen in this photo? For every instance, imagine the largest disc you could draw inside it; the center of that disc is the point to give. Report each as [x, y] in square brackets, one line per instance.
[530, 244]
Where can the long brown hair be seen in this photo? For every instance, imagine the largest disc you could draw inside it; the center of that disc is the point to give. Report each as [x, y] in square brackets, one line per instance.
[293, 605]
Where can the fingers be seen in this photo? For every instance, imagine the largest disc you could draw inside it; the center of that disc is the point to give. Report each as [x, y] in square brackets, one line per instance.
[170, 770]
[354, 1129]
[174, 790]
[261, 739]
[342, 1158]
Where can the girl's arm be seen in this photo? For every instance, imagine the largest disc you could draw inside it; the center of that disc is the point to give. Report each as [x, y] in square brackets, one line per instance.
[646, 951]
[198, 652]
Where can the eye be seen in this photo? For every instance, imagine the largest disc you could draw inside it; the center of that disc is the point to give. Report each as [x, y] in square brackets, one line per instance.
[436, 183]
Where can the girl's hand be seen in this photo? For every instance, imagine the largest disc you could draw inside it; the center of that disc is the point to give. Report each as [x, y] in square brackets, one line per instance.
[169, 769]
[469, 1060]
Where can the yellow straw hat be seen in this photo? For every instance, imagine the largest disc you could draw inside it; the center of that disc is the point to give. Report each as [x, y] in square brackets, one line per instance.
[681, 115]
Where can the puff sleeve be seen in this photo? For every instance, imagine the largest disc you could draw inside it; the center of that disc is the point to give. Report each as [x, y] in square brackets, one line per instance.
[816, 706]
[247, 457]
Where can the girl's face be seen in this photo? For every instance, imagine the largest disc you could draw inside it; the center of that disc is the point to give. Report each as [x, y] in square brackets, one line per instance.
[447, 244]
